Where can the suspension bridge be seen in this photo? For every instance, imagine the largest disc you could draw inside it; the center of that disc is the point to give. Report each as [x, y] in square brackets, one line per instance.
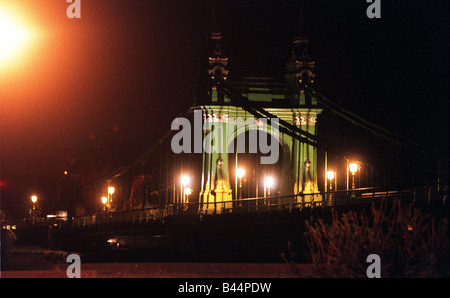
[220, 204]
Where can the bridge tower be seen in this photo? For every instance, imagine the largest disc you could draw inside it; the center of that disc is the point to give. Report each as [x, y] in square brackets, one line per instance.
[286, 100]
[216, 187]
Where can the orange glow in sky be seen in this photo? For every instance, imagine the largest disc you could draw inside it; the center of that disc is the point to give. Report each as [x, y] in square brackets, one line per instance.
[15, 36]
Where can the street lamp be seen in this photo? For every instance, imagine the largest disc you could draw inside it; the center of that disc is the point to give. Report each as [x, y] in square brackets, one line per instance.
[240, 174]
[331, 175]
[188, 191]
[269, 182]
[185, 182]
[353, 167]
[111, 191]
[104, 202]
[34, 199]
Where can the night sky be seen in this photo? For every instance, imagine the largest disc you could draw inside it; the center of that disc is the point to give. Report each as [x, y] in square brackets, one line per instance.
[96, 90]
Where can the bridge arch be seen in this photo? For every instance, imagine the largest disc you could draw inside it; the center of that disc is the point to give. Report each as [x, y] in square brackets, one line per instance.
[255, 171]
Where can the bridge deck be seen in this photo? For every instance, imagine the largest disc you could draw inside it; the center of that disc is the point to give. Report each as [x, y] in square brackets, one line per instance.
[341, 199]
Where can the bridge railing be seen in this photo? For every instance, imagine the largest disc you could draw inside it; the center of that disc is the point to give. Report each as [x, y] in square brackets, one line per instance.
[123, 217]
[274, 203]
[321, 199]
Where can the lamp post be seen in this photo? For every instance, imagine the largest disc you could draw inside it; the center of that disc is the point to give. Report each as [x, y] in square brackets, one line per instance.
[188, 191]
[111, 191]
[184, 182]
[269, 182]
[104, 202]
[353, 167]
[240, 174]
[34, 199]
[347, 174]
[331, 175]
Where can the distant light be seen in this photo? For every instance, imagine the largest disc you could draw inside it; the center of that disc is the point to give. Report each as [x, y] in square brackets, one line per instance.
[51, 216]
[330, 175]
[34, 199]
[240, 173]
[114, 242]
[65, 172]
[111, 190]
[61, 214]
[353, 168]
[185, 180]
[269, 182]
[104, 200]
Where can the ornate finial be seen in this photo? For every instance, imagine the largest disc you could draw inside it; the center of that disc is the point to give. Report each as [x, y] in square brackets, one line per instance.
[217, 63]
[300, 66]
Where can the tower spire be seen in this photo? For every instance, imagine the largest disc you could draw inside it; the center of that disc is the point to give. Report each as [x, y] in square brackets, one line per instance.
[300, 66]
[217, 63]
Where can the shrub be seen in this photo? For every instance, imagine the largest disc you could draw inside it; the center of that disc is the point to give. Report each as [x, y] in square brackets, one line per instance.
[409, 242]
